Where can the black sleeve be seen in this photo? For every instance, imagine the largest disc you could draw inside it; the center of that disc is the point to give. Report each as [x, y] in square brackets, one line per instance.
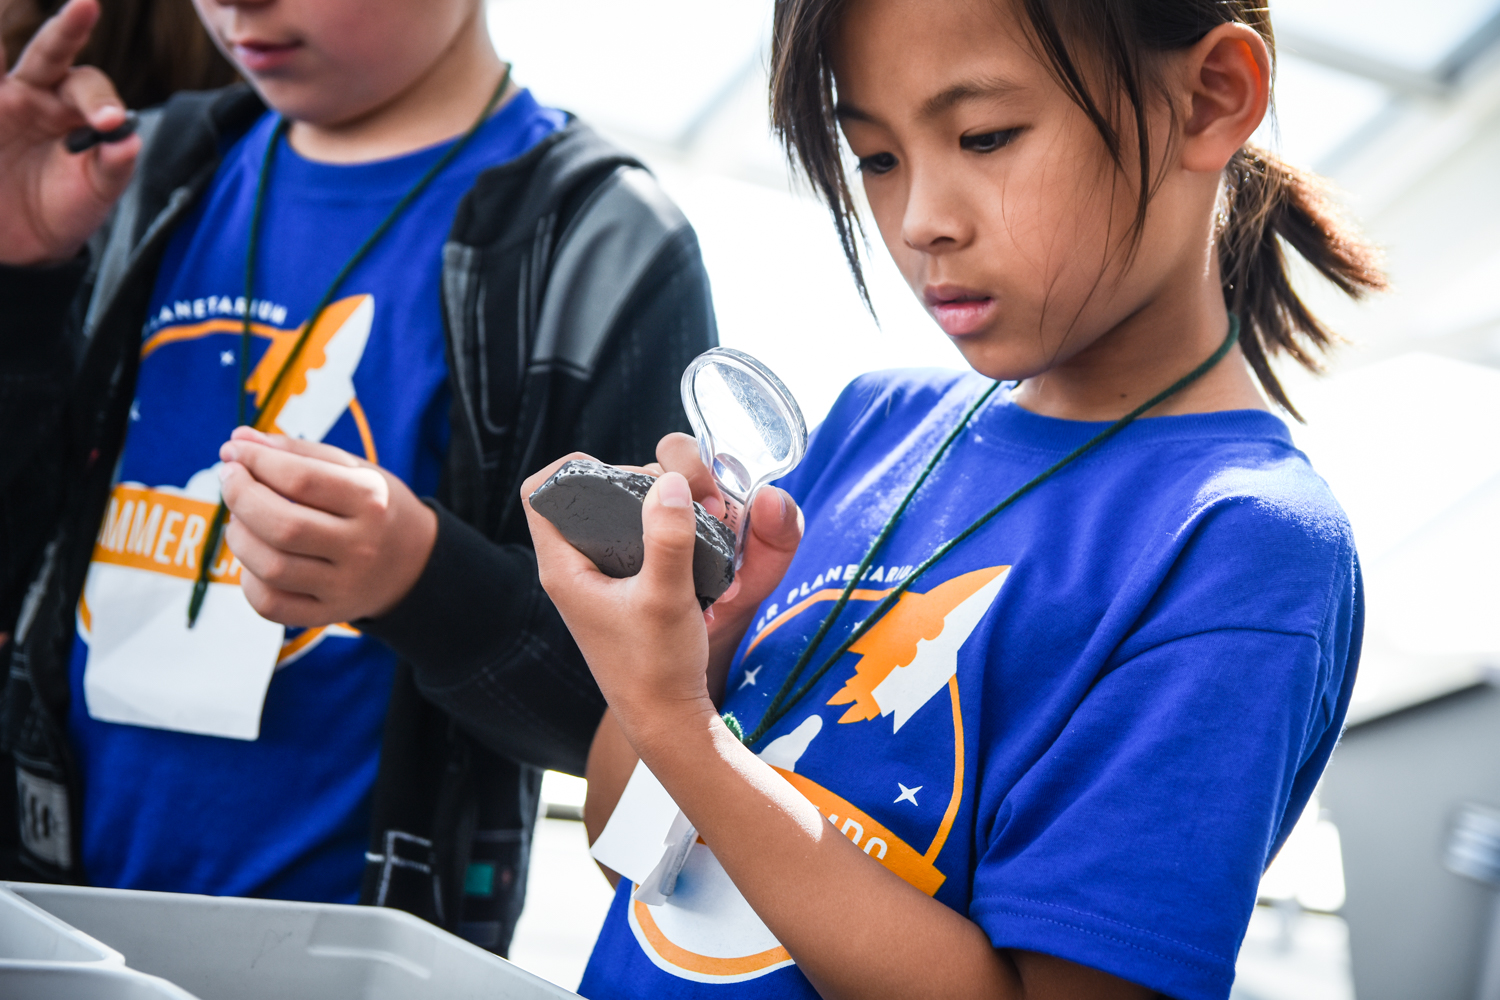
[485, 642]
[488, 647]
[36, 369]
[635, 399]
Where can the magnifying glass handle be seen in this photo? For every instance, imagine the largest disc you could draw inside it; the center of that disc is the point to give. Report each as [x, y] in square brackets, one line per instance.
[737, 517]
[740, 525]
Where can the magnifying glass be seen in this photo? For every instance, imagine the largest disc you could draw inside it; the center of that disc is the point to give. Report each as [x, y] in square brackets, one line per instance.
[750, 429]
[750, 432]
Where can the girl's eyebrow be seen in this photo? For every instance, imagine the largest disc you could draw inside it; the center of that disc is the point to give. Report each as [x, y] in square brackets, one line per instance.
[844, 111]
[944, 100]
[968, 90]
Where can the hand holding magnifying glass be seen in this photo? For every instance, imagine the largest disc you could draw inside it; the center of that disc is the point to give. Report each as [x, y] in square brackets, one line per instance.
[750, 432]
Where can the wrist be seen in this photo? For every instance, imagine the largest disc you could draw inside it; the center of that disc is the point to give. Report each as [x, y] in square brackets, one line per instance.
[417, 539]
[661, 729]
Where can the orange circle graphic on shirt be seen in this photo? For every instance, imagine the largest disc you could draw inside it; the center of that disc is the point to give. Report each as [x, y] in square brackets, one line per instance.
[704, 965]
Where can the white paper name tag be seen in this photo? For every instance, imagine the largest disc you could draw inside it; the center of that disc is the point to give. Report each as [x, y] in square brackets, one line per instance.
[647, 838]
[147, 668]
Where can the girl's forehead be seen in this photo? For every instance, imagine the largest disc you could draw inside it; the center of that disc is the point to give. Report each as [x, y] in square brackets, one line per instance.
[931, 54]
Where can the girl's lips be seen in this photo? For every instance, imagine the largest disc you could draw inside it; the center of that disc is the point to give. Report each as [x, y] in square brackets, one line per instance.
[263, 57]
[959, 312]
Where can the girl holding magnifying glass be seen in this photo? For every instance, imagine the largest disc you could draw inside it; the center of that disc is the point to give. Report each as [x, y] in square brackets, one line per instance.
[1067, 640]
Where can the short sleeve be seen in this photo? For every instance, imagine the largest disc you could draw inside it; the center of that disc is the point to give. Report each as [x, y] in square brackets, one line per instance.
[1135, 841]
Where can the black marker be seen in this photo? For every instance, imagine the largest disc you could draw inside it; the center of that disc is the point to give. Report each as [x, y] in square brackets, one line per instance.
[83, 139]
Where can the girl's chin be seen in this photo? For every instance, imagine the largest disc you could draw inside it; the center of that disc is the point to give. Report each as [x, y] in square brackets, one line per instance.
[995, 360]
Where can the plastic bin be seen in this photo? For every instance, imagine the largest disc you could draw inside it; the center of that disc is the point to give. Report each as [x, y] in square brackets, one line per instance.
[40, 981]
[42, 958]
[109, 943]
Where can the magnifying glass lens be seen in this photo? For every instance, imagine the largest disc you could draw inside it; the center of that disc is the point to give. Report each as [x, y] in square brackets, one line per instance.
[750, 429]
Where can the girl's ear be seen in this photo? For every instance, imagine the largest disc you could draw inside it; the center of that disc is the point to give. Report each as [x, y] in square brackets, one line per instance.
[1228, 79]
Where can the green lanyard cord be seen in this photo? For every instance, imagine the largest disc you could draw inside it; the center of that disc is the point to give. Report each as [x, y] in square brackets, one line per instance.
[221, 514]
[786, 699]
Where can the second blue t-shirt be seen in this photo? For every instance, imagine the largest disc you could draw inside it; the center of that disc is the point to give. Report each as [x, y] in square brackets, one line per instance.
[284, 814]
[1088, 728]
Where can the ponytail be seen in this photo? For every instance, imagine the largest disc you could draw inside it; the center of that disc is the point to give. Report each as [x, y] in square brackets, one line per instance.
[1267, 204]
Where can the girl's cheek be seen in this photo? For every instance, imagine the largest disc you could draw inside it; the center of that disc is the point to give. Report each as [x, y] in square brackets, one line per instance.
[1066, 225]
[887, 208]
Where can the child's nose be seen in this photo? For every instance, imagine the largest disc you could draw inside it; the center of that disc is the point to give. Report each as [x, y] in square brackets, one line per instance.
[935, 220]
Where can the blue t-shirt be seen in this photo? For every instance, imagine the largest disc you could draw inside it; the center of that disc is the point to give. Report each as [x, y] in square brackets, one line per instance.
[282, 813]
[1088, 728]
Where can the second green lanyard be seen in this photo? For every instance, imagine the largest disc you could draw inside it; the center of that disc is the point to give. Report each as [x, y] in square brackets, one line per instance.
[221, 515]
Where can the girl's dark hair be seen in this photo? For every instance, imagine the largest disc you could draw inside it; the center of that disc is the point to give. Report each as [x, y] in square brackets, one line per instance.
[1267, 202]
[150, 49]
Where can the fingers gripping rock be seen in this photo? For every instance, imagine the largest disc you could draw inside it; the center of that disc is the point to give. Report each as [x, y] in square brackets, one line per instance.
[597, 508]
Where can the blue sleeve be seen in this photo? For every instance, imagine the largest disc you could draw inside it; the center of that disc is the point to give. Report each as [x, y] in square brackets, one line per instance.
[1142, 833]
[1135, 842]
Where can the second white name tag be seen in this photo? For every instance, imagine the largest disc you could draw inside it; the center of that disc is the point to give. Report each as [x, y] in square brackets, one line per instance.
[638, 833]
[147, 668]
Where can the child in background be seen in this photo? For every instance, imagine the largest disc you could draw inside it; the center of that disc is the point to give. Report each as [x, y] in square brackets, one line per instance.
[1059, 658]
[410, 279]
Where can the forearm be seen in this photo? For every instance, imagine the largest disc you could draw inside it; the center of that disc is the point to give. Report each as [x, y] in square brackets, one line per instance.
[487, 646]
[805, 880]
[611, 761]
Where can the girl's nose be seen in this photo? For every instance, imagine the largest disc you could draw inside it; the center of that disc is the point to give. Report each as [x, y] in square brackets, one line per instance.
[935, 220]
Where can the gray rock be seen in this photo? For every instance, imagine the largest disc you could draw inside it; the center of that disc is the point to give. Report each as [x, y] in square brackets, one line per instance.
[597, 508]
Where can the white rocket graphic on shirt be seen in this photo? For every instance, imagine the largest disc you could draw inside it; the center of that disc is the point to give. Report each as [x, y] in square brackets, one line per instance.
[906, 689]
[145, 666]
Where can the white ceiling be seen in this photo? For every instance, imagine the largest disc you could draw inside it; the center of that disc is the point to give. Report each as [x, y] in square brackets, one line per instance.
[672, 73]
[1411, 35]
[648, 68]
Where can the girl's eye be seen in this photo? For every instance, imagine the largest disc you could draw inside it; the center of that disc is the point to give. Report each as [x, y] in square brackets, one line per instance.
[988, 142]
[879, 163]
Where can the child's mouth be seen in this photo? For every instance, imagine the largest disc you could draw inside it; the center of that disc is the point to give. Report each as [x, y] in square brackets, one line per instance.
[258, 56]
[959, 311]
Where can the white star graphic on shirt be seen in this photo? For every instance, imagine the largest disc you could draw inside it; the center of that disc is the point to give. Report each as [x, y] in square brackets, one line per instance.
[750, 678]
[909, 794]
[226, 358]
